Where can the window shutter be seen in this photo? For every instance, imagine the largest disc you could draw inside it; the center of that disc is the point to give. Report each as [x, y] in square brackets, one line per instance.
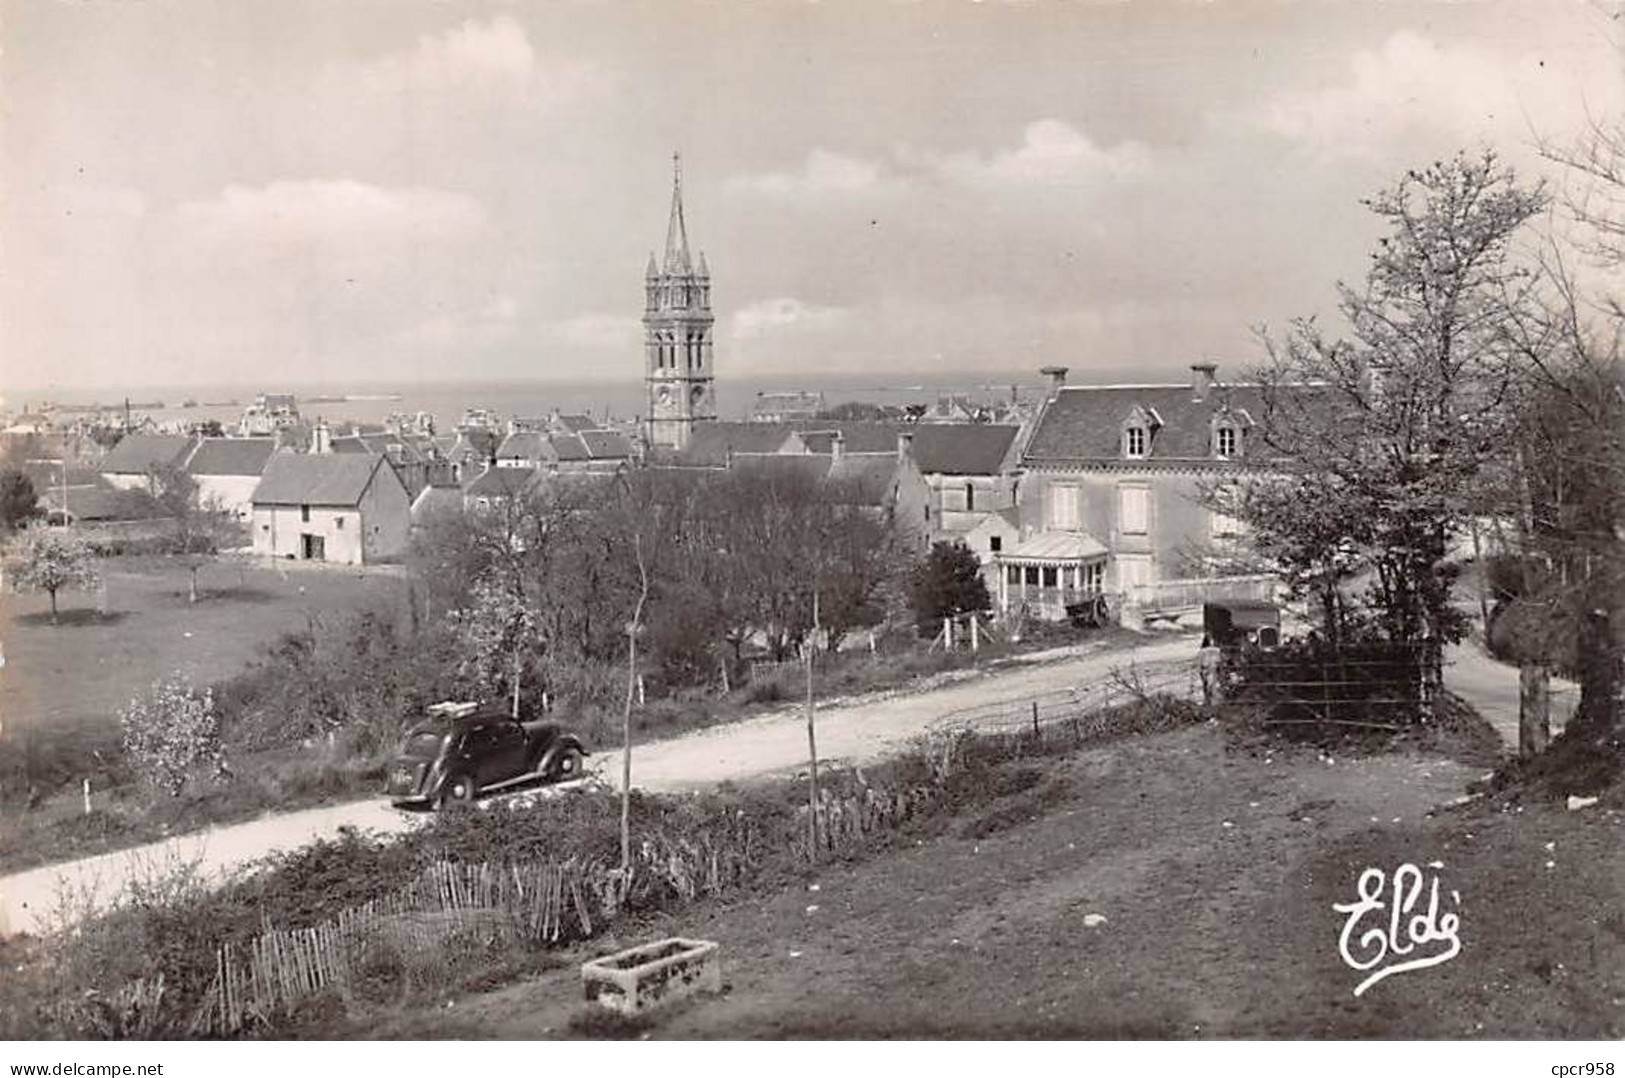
[1134, 505]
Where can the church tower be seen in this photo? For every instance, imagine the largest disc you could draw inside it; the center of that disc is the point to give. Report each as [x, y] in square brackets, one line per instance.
[677, 334]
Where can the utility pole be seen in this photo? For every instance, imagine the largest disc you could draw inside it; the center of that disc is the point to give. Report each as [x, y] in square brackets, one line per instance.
[812, 740]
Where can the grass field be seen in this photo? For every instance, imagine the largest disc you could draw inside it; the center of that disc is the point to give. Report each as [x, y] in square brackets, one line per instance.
[63, 684]
[1215, 873]
[84, 669]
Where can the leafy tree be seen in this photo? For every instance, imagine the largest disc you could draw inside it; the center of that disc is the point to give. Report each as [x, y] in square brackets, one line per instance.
[1408, 406]
[170, 730]
[496, 629]
[948, 583]
[19, 502]
[54, 561]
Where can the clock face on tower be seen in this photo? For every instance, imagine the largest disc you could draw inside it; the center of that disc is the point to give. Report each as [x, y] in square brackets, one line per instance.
[697, 394]
[664, 394]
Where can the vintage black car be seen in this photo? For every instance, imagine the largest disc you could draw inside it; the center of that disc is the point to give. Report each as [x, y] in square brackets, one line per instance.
[1232, 624]
[465, 750]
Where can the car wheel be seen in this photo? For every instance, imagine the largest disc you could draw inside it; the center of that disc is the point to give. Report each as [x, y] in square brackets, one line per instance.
[567, 766]
[458, 791]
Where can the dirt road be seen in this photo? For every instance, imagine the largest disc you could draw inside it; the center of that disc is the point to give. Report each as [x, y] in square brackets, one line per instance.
[853, 731]
[1492, 688]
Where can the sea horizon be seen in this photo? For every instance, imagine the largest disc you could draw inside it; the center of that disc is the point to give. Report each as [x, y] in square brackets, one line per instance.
[369, 400]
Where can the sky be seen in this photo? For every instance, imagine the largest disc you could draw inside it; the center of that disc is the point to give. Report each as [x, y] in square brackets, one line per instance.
[207, 192]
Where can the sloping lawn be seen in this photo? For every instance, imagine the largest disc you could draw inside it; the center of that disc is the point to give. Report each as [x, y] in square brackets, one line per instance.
[84, 669]
[980, 930]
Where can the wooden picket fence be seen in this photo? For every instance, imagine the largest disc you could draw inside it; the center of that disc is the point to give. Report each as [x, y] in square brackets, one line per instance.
[851, 820]
[542, 902]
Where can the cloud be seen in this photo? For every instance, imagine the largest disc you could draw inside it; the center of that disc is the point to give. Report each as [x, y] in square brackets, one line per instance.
[488, 58]
[824, 172]
[331, 211]
[1052, 153]
[1412, 86]
[772, 317]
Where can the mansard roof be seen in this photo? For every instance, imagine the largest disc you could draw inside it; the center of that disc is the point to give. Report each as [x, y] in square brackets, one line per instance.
[1086, 422]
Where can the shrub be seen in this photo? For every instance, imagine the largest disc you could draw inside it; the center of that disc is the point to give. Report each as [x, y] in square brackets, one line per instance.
[169, 731]
[947, 583]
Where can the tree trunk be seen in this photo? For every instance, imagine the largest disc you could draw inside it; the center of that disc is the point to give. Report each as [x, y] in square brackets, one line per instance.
[1600, 674]
[192, 594]
[516, 668]
[812, 756]
[53, 605]
[1534, 709]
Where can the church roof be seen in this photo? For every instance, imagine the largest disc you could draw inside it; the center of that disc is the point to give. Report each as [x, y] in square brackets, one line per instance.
[677, 259]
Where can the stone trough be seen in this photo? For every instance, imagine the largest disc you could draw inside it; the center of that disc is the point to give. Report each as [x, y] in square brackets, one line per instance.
[636, 979]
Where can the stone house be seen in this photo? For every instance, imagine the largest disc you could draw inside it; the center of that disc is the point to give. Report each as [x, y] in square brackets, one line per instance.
[1110, 495]
[346, 508]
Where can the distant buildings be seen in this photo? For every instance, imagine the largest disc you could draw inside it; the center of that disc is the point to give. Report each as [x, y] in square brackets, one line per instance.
[787, 406]
[589, 450]
[269, 413]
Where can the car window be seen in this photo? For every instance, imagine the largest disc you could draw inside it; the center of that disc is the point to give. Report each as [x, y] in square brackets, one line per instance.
[425, 745]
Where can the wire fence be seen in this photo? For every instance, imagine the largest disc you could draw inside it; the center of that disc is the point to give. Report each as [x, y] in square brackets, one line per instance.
[1386, 686]
[1175, 678]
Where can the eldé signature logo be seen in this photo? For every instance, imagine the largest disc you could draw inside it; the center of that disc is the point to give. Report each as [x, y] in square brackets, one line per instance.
[1404, 933]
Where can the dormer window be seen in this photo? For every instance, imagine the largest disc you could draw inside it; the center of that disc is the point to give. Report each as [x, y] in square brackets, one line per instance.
[1226, 432]
[1139, 427]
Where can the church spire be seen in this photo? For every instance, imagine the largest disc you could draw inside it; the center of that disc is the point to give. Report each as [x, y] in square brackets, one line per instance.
[677, 260]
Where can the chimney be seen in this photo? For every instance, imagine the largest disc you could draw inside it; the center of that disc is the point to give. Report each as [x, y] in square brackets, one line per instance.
[905, 446]
[1202, 379]
[837, 445]
[321, 439]
[1056, 376]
